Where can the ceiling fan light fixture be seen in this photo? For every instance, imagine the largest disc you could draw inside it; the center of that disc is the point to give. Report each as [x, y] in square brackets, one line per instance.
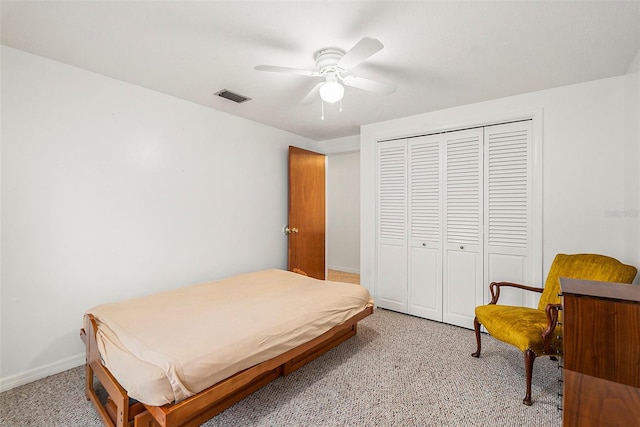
[332, 63]
[331, 91]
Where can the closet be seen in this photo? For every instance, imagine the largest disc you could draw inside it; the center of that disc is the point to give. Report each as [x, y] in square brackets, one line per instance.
[453, 213]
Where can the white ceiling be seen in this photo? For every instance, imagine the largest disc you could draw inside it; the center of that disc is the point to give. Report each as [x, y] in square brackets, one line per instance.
[440, 54]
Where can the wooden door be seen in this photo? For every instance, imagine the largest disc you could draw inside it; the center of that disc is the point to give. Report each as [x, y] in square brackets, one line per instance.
[306, 229]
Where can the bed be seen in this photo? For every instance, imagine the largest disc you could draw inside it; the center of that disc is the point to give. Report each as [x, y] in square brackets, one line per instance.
[180, 357]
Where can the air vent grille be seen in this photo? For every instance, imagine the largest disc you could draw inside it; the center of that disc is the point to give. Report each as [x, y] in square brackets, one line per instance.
[231, 96]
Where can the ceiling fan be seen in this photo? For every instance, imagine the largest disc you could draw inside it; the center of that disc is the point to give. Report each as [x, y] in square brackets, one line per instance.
[333, 65]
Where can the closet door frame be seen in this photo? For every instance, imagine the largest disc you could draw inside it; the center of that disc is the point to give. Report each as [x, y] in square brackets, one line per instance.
[371, 135]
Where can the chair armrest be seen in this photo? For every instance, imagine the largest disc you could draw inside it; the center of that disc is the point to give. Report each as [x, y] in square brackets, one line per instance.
[552, 321]
[494, 287]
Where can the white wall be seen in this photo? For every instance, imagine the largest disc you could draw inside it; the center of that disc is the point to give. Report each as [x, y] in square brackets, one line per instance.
[343, 204]
[631, 213]
[110, 191]
[583, 165]
[347, 144]
[343, 212]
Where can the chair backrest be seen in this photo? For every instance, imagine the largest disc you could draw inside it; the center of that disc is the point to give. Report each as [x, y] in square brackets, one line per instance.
[583, 266]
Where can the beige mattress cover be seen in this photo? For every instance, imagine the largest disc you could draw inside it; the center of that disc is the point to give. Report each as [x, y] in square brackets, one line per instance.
[166, 347]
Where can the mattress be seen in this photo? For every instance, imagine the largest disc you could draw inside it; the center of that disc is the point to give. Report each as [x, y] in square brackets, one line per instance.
[168, 346]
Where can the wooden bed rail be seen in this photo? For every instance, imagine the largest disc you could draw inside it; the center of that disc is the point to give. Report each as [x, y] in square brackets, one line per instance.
[120, 411]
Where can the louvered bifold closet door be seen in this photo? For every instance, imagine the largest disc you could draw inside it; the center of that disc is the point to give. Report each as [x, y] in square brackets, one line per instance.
[508, 201]
[425, 227]
[392, 225]
[463, 226]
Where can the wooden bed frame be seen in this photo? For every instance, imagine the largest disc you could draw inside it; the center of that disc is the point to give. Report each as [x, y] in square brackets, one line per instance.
[121, 411]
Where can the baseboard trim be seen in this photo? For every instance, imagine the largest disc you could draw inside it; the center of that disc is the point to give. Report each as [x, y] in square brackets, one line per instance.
[345, 269]
[40, 372]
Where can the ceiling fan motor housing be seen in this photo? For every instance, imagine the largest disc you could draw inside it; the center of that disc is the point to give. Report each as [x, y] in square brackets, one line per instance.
[326, 59]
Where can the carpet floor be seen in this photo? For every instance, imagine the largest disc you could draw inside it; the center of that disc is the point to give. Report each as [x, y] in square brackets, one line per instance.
[398, 371]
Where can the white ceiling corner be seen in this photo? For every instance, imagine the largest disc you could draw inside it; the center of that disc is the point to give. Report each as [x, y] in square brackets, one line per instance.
[440, 54]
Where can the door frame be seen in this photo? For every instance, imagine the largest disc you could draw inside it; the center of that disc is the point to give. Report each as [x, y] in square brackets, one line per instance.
[403, 128]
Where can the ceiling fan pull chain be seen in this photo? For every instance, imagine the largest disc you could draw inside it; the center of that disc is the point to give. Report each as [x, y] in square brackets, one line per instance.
[341, 105]
[322, 115]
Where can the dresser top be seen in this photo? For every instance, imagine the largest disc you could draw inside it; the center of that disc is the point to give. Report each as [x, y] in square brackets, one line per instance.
[617, 291]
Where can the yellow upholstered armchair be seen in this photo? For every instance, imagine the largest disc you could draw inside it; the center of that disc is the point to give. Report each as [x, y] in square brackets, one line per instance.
[535, 331]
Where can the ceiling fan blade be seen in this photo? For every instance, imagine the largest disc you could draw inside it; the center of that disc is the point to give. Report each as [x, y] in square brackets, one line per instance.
[276, 69]
[360, 52]
[312, 95]
[370, 85]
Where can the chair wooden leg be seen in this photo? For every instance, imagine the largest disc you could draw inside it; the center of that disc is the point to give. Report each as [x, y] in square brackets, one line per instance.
[476, 327]
[529, 358]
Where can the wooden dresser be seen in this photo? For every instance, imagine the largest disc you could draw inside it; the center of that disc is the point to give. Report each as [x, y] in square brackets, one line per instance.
[601, 323]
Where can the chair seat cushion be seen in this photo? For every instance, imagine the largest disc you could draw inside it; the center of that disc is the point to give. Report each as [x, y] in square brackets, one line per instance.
[521, 327]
